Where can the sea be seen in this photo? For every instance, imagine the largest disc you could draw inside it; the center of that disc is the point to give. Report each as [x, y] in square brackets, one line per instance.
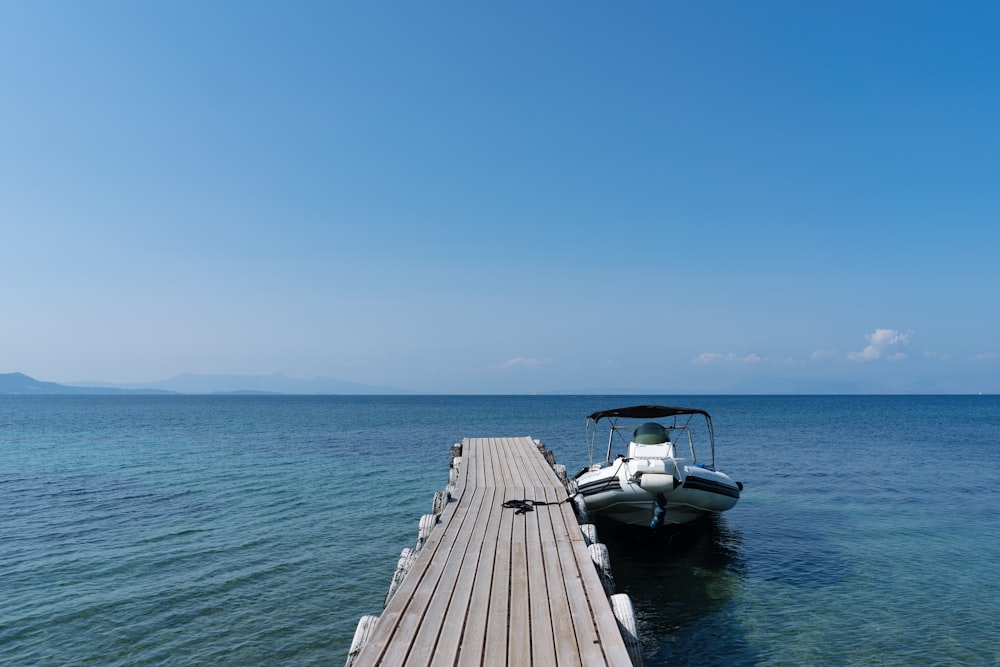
[257, 530]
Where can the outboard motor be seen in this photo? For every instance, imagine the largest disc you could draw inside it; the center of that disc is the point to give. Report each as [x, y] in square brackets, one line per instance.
[659, 512]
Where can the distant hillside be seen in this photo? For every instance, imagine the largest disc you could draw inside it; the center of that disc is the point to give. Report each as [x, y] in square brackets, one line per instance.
[191, 383]
[21, 384]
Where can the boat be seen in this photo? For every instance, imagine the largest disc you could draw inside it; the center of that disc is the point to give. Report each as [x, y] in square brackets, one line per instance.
[659, 479]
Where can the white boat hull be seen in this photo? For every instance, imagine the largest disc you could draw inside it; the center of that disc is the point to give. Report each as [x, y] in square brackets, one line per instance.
[631, 491]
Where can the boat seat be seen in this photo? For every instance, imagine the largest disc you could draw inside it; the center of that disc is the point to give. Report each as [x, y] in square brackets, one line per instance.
[639, 451]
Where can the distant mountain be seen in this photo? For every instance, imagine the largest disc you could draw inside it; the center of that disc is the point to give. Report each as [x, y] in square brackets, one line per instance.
[960, 383]
[21, 384]
[191, 383]
[790, 386]
[967, 383]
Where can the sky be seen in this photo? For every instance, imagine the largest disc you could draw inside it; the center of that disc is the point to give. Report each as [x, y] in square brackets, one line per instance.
[509, 197]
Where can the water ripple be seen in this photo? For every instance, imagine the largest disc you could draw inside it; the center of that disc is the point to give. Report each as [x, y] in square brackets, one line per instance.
[239, 531]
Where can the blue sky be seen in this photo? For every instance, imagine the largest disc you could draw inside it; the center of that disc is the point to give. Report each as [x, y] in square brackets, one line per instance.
[517, 197]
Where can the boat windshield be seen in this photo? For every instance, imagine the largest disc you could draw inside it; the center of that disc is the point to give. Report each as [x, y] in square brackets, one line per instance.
[650, 433]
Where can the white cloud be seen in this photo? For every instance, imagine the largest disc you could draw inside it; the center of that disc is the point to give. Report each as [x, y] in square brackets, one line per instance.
[987, 356]
[822, 355]
[522, 362]
[883, 344]
[706, 358]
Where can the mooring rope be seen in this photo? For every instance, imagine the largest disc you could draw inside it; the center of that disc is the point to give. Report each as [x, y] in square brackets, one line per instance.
[522, 506]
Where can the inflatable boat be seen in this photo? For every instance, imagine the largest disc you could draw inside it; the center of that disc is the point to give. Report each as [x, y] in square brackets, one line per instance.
[659, 479]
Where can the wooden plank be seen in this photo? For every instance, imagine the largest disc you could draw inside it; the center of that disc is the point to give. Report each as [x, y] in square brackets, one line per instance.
[453, 627]
[501, 472]
[513, 461]
[476, 466]
[471, 649]
[558, 575]
[585, 630]
[508, 476]
[532, 465]
[519, 614]
[487, 471]
[518, 458]
[438, 638]
[543, 650]
[499, 609]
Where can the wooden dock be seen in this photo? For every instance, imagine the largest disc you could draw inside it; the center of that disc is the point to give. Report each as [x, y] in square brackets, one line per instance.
[490, 586]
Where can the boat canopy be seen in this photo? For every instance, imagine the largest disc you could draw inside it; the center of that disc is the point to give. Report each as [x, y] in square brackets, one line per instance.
[646, 412]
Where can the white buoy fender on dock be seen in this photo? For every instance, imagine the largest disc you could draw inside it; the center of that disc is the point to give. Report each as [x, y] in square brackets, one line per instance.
[441, 498]
[580, 507]
[427, 523]
[621, 605]
[406, 559]
[560, 471]
[589, 531]
[361, 634]
[602, 561]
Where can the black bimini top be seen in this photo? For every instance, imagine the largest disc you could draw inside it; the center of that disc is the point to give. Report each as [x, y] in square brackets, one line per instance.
[646, 412]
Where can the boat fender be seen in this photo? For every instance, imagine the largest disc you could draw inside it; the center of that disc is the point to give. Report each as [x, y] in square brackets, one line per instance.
[602, 561]
[657, 483]
[364, 630]
[406, 560]
[659, 511]
[441, 500]
[739, 485]
[580, 509]
[427, 523]
[560, 471]
[621, 605]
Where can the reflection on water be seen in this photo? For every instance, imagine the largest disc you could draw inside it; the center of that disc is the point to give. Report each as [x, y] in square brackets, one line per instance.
[681, 584]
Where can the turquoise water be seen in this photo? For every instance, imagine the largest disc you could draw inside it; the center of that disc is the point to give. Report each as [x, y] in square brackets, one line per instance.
[257, 530]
